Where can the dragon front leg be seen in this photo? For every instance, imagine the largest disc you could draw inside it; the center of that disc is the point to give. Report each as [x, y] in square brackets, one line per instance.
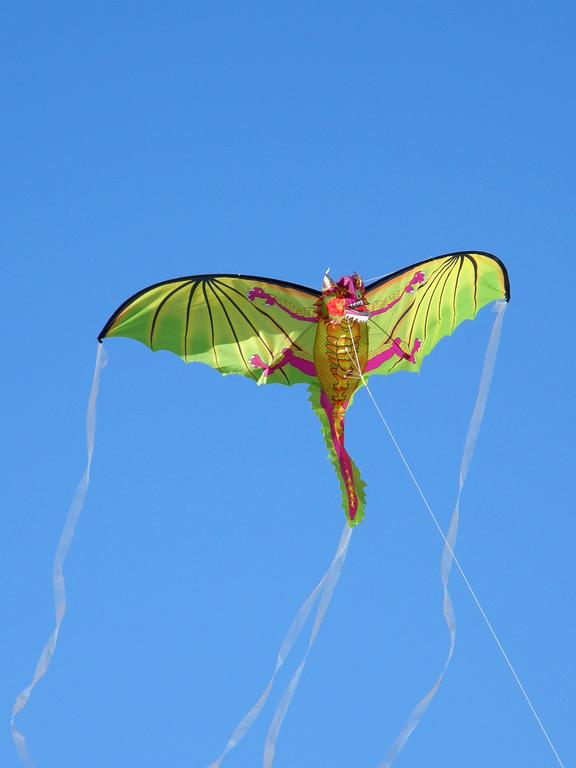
[288, 358]
[270, 300]
[418, 279]
[394, 350]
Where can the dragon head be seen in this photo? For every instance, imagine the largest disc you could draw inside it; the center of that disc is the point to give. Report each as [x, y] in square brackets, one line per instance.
[345, 299]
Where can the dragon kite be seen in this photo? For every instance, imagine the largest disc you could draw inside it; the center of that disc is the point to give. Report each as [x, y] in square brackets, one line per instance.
[277, 332]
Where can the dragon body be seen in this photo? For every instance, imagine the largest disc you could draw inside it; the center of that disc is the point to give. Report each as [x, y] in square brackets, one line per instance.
[339, 359]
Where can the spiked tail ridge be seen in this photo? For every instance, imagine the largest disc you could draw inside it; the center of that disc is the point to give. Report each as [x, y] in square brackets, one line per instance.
[351, 483]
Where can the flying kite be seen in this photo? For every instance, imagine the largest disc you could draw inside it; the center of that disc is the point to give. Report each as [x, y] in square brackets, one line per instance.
[277, 332]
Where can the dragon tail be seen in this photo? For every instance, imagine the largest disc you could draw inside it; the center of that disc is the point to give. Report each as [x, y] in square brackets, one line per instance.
[351, 484]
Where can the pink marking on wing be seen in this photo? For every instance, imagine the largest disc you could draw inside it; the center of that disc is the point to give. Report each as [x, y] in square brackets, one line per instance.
[378, 360]
[394, 349]
[257, 362]
[415, 348]
[258, 293]
[305, 366]
[288, 358]
[418, 278]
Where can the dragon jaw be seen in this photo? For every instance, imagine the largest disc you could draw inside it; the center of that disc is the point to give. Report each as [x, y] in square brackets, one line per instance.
[345, 299]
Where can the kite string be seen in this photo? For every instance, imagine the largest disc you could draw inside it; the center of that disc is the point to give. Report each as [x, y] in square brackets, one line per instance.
[466, 458]
[62, 550]
[325, 584]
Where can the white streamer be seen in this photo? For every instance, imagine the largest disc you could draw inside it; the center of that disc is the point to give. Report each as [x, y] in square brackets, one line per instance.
[331, 579]
[450, 541]
[58, 577]
[325, 584]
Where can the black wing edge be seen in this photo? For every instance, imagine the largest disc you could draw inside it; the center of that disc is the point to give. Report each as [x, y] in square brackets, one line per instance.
[445, 256]
[202, 278]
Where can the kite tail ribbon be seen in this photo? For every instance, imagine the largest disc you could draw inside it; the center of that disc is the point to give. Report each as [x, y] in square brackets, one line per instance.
[58, 576]
[448, 556]
[332, 424]
[324, 591]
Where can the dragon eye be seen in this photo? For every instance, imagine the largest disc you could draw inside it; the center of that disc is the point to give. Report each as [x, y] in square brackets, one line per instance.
[358, 294]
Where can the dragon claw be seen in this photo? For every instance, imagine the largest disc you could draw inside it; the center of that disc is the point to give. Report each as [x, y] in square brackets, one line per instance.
[418, 279]
[415, 347]
[257, 362]
[258, 293]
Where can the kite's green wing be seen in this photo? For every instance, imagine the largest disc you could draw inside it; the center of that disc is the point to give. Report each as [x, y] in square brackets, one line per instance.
[224, 321]
[417, 306]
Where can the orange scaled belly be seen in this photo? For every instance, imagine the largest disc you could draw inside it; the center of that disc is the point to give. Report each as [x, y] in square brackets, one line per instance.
[335, 350]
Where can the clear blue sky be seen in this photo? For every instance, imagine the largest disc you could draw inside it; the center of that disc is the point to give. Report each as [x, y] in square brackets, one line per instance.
[144, 141]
